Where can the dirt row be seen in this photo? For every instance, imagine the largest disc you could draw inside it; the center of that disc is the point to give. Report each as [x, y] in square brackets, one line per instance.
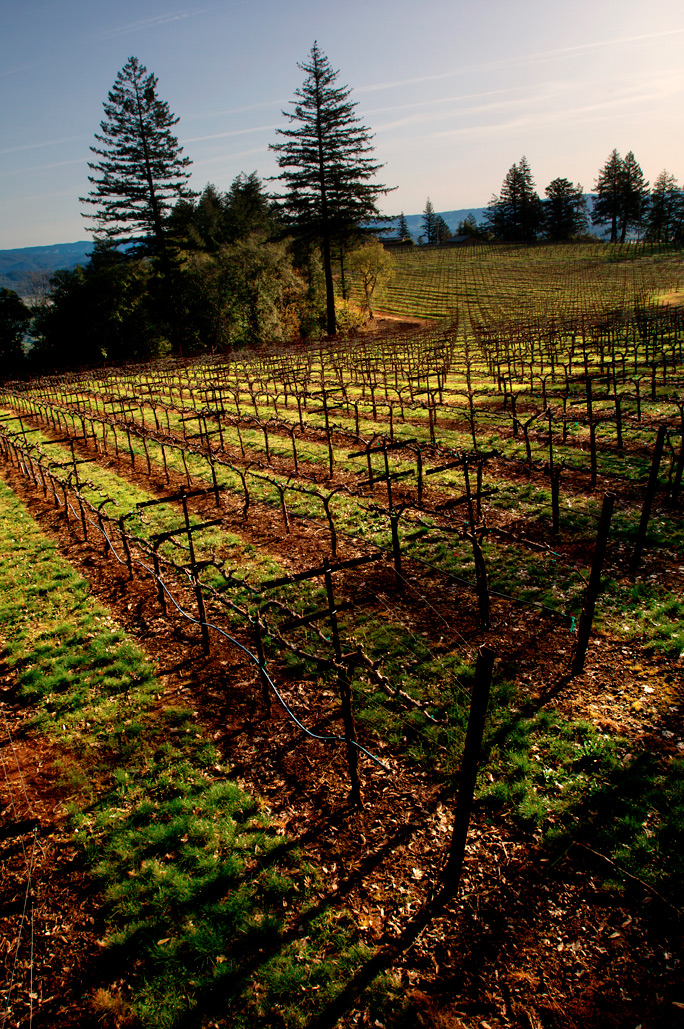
[534, 939]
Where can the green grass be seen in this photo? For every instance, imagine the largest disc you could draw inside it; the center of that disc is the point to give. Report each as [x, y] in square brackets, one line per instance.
[208, 908]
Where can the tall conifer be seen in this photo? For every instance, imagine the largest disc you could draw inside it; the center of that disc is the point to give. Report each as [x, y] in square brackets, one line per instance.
[327, 166]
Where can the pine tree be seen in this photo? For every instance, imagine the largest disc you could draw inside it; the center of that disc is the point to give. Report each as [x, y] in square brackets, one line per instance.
[402, 228]
[565, 211]
[665, 210]
[517, 213]
[140, 172]
[140, 169]
[634, 195]
[608, 200]
[326, 167]
[429, 233]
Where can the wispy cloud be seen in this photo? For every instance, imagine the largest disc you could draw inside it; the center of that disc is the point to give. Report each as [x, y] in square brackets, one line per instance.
[626, 102]
[423, 104]
[232, 132]
[518, 60]
[41, 167]
[164, 18]
[43, 143]
[167, 18]
[228, 158]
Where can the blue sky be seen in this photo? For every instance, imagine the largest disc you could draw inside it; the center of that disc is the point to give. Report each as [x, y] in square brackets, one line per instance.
[455, 92]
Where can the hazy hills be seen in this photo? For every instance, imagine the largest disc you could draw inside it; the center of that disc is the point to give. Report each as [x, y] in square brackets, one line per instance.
[20, 268]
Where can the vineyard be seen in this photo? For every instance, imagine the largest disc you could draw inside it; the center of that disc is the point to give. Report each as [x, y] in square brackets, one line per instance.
[322, 548]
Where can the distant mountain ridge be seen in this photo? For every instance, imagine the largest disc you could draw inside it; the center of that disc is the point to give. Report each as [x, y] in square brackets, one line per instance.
[18, 267]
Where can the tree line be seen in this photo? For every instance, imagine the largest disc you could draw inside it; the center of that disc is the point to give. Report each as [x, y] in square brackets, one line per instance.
[176, 271]
[622, 203]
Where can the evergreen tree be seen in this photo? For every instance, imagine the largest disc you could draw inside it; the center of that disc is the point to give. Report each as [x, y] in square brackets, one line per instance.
[402, 228]
[248, 209]
[15, 319]
[665, 210]
[139, 173]
[517, 213]
[621, 195]
[608, 200]
[326, 167]
[442, 230]
[139, 170]
[429, 233]
[634, 195]
[565, 211]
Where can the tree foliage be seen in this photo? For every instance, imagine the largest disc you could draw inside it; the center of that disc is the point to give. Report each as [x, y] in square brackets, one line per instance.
[403, 232]
[113, 310]
[214, 219]
[371, 266]
[565, 211]
[517, 213]
[621, 196]
[326, 166]
[139, 169]
[429, 224]
[245, 293]
[15, 319]
[665, 220]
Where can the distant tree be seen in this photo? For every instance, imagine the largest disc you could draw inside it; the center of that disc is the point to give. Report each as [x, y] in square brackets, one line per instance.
[429, 224]
[442, 230]
[469, 227]
[15, 319]
[565, 211]
[634, 195]
[608, 201]
[665, 219]
[140, 171]
[326, 167]
[215, 218]
[402, 228]
[517, 213]
[621, 196]
[371, 265]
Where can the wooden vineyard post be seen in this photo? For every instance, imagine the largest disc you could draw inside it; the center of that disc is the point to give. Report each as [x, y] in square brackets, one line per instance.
[481, 581]
[345, 696]
[592, 433]
[592, 590]
[259, 643]
[195, 576]
[555, 499]
[396, 548]
[676, 486]
[651, 488]
[618, 419]
[161, 595]
[469, 765]
[419, 474]
[554, 475]
[124, 544]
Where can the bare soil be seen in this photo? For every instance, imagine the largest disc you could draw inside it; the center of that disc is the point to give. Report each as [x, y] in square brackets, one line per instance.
[534, 938]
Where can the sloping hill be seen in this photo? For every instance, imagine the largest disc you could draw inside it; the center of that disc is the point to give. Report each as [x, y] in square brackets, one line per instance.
[18, 267]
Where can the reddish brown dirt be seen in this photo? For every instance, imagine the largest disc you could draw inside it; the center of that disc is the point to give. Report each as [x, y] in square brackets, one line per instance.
[534, 939]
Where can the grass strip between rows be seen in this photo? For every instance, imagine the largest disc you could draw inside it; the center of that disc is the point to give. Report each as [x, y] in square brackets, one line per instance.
[210, 912]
